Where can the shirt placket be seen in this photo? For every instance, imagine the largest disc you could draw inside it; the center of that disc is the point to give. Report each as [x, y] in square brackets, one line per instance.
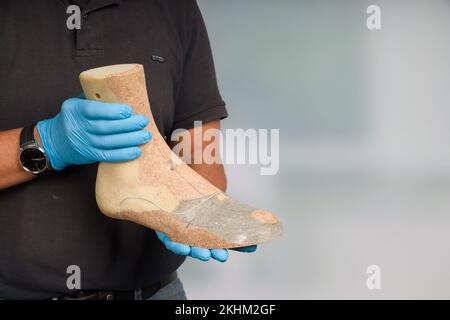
[89, 39]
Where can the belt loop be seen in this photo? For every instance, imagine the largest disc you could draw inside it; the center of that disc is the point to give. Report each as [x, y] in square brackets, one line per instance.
[138, 294]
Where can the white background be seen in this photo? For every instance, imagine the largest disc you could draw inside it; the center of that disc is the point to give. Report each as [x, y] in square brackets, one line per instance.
[365, 155]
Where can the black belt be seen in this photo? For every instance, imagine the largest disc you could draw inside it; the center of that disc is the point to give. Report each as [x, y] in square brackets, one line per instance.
[138, 294]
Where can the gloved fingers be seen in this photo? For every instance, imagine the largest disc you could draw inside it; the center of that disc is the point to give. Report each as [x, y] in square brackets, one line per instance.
[161, 236]
[201, 253]
[120, 140]
[248, 249]
[178, 248]
[96, 110]
[175, 247]
[220, 255]
[117, 155]
[133, 123]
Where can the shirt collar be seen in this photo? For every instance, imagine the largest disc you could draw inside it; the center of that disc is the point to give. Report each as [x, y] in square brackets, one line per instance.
[92, 5]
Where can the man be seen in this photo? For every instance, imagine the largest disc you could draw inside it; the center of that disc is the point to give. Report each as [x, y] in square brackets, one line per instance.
[49, 220]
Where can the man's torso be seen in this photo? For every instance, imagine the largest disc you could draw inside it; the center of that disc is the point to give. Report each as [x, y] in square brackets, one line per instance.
[53, 222]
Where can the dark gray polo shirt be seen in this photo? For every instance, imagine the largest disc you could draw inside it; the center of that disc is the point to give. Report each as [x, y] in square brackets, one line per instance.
[53, 221]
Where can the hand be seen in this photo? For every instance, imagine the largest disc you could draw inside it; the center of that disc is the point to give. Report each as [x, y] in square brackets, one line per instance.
[203, 254]
[87, 131]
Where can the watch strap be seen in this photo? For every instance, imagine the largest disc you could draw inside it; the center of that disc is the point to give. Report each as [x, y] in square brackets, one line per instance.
[27, 135]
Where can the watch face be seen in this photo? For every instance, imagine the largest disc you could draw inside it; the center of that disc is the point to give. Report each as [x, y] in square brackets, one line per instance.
[33, 160]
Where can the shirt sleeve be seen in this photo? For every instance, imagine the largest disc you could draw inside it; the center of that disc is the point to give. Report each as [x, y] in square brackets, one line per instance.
[198, 98]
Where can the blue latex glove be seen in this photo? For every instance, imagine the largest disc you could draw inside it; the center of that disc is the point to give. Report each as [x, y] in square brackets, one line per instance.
[87, 131]
[203, 254]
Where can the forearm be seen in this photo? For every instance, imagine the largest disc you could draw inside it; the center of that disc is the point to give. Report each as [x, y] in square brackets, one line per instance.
[11, 172]
[214, 173]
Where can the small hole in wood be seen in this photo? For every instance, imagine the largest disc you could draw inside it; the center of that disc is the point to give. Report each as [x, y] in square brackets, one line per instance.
[97, 95]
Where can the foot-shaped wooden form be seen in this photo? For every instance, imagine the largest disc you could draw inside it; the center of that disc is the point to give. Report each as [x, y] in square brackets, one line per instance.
[160, 191]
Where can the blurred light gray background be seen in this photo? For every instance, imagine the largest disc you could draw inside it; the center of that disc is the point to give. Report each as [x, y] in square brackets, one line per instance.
[364, 158]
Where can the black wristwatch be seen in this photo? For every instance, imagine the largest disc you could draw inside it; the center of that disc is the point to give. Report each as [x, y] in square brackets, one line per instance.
[32, 157]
